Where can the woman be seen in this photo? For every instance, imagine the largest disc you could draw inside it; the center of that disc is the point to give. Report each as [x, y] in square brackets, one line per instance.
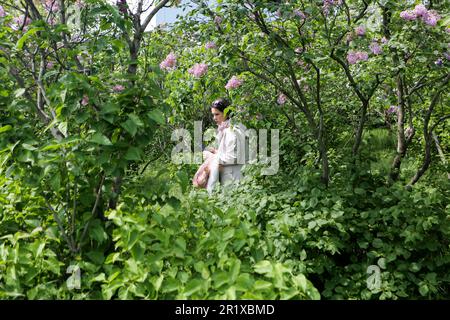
[224, 163]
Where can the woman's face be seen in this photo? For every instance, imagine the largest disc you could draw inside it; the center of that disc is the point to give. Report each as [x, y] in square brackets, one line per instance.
[217, 116]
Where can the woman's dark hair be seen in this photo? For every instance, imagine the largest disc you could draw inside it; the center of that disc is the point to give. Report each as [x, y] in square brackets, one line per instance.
[220, 104]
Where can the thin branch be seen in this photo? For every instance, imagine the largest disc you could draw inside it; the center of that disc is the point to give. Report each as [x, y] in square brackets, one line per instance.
[97, 200]
[152, 13]
[60, 226]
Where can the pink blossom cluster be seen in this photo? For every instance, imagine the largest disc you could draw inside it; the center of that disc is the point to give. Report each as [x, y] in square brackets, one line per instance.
[278, 13]
[298, 50]
[430, 17]
[300, 14]
[2, 12]
[409, 131]
[375, 48]
[20, 21]
[233, 83]
[210, 45]
[51, 5]
[118, 88]
[79, 3]
[354, 57]
[392, 109]
[360, 31]
[281, 99]
[122, 6]
[169, 62]
[198, 70]
[85, 100]
[327, 4]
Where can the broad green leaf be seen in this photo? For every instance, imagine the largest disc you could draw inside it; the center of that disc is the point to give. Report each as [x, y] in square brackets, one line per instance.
[262, 285]
[133, 154]
[157, 116]
[263, 267]
[110, 108]
[130, 126]
[100, 139]
[137, 121]
[5, 128]
[19, 92]
[193, 286]
[28, 34]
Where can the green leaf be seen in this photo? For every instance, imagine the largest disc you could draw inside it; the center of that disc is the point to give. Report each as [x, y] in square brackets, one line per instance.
[133, 154]
[263, 267]
[97, 233]
[130, 127]
[55, 181]
[423, 289]
[100, 278]
[382, 263]
[220, 278]
[193, 286]
[19, 92]
[97, 257]
[301, 282]
[110, 108]
[377, 243]
[262, 285]
[157, 116]
[63, 128]
[20, 43]
[157, 281]
[5, 128]
[133, 237]
[235, 268]
[137, 121]
[100, 139]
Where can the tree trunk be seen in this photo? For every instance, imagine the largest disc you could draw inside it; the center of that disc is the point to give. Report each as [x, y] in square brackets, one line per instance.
[360, 129]
[401, 141]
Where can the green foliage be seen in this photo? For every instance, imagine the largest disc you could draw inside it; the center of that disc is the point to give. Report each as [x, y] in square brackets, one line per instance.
[92, 208]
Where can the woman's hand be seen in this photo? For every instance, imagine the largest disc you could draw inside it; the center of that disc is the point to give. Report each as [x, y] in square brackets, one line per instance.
[211, 149]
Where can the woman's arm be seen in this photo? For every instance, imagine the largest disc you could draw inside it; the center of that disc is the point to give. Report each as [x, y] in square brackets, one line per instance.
[227, 146]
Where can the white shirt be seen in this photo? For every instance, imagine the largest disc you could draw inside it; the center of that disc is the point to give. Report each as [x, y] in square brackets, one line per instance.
[231, 141]
[230, 154]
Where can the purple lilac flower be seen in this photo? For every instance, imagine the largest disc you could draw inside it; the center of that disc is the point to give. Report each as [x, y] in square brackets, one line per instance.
[408, 15]
[233, 83]
[392, 109]
[169, 62]
[281, 99]
[210, 45]
[85, 100]
[431, 18]
[352, 57]
[198, 70]
[360, 31]
[420, 10]
[375, 48]
[300, 14]
[118, 88]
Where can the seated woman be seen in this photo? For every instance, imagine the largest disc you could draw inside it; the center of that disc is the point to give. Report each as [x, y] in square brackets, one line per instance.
[224, 163]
